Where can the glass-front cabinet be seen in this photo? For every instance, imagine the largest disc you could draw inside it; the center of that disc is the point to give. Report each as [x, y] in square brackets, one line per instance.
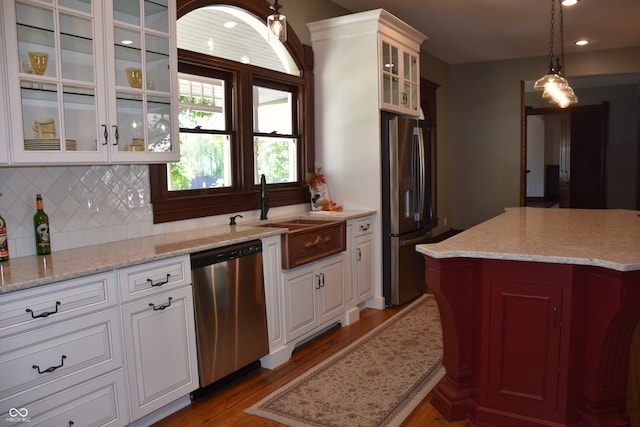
[399, 78]
[92, 81]
[4, 119]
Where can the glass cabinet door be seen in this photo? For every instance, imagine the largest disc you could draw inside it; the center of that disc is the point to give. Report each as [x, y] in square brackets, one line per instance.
[400, 78]
[144, 72]
[390, 75]
[56, 81]
[5, 133]
[411, 81]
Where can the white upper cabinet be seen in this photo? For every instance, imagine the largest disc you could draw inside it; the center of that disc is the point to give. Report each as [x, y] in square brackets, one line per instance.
[4, 120]
[91, 81]
[375, 43]
[399, 78]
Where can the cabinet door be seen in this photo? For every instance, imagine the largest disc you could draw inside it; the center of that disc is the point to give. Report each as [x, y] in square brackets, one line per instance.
[331, 292]
[4, 120]
[399, 78]
[363, 267]
[53, 81]
[300, 295]
[390, 76]
[524, 345]
[410, 96]
[141, 48]
[160, 350]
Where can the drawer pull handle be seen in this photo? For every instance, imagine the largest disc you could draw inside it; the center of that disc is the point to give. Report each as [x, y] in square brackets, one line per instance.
[365, 227]
[44, 314]
[116, 134]
[161, 307]
[51, 368]
[106, 135]
[159, 283]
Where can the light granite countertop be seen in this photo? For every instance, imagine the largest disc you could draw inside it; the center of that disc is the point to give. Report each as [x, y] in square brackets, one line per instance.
[30, 271]
[605, 238]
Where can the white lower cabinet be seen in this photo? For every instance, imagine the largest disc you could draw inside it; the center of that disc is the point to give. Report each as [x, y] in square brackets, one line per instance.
[62, 360]
[159, 333]
[160, 349]
[362, 259]
[313, 296]
[61, 357]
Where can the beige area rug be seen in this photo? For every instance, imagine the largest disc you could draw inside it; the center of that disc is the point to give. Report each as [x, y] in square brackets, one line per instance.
[376, 381]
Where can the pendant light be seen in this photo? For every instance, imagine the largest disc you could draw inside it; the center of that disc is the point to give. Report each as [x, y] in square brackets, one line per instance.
[554, 85]
[277, 24]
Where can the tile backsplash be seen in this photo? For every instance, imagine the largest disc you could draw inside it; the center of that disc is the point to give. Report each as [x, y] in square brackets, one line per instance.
[86, 205]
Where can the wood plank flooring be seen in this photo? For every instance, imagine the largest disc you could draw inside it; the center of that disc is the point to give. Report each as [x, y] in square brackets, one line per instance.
[224, 406]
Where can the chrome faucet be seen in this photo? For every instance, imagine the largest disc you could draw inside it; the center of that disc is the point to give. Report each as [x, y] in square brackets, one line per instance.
[264, 198]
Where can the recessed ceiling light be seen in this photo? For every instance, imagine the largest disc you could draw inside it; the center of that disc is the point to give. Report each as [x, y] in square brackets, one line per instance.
[245, 59]
[569, 2]
[230, 24]
[582, 42]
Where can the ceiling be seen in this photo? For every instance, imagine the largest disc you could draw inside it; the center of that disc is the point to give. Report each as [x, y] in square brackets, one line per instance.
[463, 31]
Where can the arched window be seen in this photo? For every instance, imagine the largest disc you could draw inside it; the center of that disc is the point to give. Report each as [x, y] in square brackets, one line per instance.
[245, 109]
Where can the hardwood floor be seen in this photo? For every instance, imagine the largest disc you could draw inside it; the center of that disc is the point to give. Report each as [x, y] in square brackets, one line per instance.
[225, 406]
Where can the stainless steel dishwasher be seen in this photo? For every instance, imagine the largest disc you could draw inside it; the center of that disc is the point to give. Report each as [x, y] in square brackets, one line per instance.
[230, 311]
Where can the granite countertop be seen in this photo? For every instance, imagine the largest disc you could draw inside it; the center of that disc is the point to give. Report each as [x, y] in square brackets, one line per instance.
[606, 238]
[30, 271]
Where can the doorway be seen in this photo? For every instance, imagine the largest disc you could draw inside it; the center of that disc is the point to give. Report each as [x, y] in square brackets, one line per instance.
[565, 157]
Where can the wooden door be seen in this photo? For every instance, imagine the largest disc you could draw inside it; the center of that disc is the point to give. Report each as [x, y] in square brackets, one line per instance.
[588, 160]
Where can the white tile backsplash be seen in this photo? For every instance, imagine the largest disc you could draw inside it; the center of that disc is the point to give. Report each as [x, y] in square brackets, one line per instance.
[89, 205]
[84, 204]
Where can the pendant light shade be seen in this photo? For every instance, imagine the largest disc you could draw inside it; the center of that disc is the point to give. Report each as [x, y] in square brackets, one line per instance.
[554, 85]
[277, 24]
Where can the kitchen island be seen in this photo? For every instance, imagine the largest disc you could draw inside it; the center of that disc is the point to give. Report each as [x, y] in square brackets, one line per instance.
[538, 309]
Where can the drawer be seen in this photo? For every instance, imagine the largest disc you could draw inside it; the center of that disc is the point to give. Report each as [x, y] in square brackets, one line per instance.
[38, 363]
[153, 277]
[363, 226]
[42, 306]
[98, 402]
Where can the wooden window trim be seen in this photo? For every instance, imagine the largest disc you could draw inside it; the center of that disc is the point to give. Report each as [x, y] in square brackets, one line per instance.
[244, 196]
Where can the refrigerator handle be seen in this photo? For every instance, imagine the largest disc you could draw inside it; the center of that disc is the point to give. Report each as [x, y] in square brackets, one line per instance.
[421, 173]
[415, 241]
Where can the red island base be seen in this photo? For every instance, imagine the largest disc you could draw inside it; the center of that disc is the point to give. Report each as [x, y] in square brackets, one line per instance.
[531, 344]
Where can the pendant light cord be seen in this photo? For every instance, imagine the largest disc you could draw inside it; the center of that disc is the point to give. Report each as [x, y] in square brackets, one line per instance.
[561, 71]
[553, 21]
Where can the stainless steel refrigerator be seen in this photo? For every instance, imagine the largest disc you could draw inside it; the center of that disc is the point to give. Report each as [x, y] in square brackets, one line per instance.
[406, 199]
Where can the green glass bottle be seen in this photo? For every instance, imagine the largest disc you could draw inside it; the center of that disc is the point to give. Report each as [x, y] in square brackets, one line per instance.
[4, 241]
[41, 227]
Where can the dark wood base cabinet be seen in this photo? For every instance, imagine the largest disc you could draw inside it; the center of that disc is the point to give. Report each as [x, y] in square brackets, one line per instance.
[531, 344]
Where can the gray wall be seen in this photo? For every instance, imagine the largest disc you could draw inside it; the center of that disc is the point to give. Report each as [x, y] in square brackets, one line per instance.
[485, 127]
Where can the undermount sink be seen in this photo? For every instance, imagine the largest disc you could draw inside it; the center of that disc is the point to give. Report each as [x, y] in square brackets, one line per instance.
[310, 239]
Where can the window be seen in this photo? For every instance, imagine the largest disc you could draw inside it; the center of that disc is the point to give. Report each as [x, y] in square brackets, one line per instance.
[245, 109]
[205, 143]
[275, 143]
